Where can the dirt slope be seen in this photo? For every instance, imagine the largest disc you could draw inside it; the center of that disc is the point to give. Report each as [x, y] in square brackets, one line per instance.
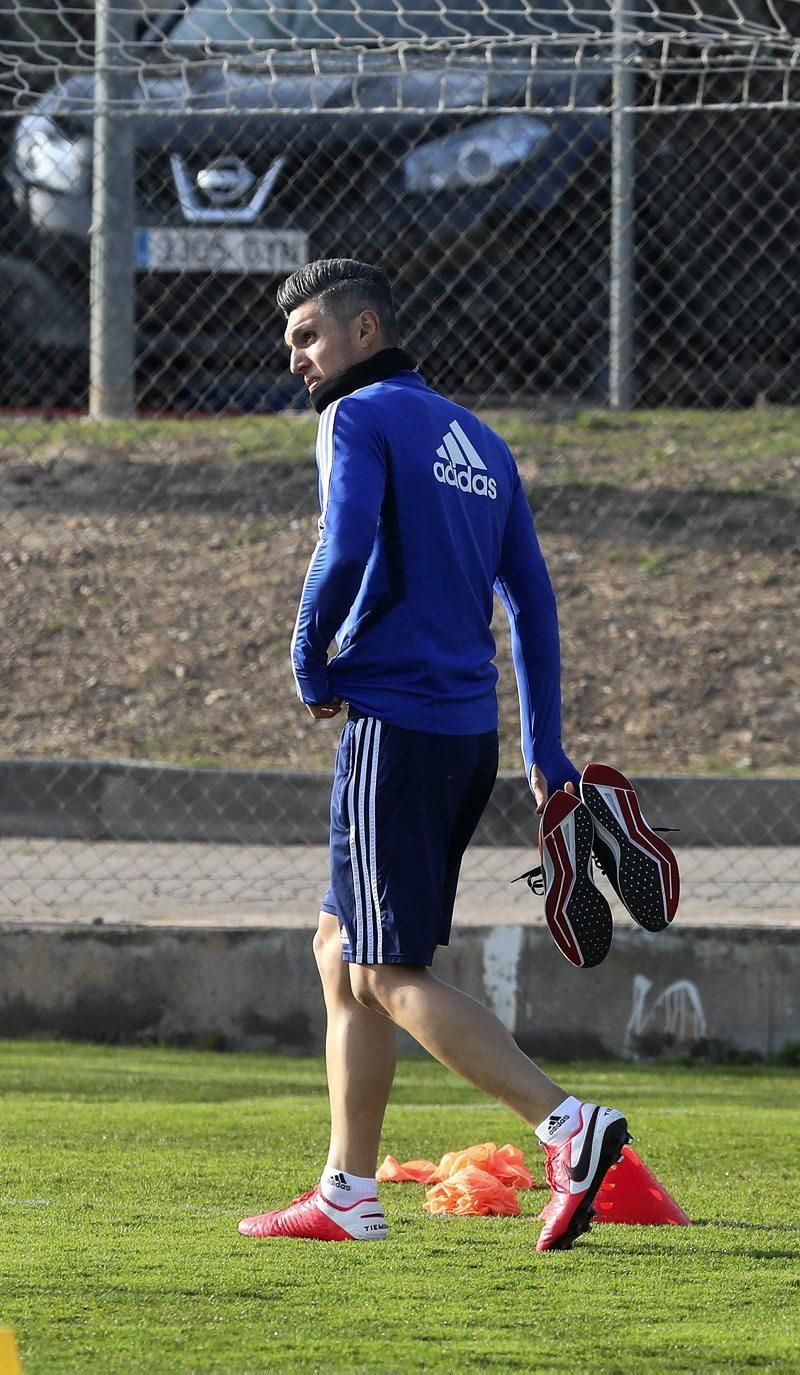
[149, 590]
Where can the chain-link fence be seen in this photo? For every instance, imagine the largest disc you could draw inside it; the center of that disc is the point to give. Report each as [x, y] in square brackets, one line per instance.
[581, 210]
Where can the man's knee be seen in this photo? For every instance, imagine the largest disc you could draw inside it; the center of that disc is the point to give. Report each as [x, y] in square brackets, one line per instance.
[327, 945]
[380, 986]
[368, 983]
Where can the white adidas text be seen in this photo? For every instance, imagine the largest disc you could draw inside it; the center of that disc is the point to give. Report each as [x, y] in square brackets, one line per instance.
[466, 480]
[461, 465]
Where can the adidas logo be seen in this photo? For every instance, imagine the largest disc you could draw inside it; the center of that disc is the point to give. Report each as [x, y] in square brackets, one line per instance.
[339, 1182]
[553, 1123]
[462, 466]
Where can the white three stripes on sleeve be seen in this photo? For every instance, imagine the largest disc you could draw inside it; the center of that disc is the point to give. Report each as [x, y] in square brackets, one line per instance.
[296, 630]
[325, 464]
[325, 453]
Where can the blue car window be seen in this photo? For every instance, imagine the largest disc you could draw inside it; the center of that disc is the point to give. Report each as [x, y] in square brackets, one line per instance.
[233, 22]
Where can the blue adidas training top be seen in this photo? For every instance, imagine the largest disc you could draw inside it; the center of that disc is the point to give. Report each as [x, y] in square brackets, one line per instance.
[422, 515]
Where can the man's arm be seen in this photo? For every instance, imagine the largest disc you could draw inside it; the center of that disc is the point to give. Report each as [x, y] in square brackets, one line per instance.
[526, 592]
[352, 482]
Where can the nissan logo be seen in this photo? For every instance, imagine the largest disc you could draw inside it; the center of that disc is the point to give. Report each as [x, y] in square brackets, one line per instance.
[225, 180]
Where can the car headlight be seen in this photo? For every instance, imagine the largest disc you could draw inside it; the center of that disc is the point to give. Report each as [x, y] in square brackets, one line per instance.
[474, 156]
[46, 156]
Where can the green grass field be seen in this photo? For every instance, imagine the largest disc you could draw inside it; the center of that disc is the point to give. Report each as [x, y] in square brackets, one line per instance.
[123, 1173]
[753, 450]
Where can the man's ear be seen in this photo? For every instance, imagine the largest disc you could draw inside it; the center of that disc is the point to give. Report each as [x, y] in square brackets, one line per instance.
[369, 326]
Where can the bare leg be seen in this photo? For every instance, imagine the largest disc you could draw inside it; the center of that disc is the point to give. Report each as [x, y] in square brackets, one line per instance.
[461, 1033]
[360, 1057]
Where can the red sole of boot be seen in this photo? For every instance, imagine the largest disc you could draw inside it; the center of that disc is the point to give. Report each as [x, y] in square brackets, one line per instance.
[577, 914]
[638, 863]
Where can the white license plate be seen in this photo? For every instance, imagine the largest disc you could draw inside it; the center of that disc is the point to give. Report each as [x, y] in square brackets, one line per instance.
[272, 251]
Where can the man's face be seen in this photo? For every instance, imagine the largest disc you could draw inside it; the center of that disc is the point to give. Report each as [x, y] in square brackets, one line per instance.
[322, 346]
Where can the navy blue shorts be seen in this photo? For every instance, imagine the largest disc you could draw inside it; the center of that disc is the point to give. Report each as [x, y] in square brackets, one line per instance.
[403, 810]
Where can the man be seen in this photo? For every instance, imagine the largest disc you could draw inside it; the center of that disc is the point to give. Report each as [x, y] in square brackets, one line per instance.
[422, 514]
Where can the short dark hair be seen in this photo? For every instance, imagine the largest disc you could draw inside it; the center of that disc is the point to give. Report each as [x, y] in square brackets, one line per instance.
[343, 286]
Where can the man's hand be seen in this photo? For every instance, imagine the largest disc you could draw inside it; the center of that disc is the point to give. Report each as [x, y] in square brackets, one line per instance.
[327, 711]
[540, 788]
[541, 791]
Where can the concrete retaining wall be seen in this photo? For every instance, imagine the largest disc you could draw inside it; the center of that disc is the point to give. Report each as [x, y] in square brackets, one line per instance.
[259, 988]
[129, 801]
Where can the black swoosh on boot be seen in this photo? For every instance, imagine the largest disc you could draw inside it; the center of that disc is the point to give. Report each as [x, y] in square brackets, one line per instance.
[578, 1171]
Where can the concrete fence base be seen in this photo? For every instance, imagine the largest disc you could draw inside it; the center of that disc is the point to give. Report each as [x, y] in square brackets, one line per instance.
[253, 988]
[118, 800]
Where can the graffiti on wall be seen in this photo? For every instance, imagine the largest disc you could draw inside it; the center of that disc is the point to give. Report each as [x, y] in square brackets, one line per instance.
[676, 1014]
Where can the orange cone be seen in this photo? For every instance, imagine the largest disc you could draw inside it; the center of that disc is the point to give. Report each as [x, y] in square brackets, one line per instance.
[9, 1353]
[631, 1193]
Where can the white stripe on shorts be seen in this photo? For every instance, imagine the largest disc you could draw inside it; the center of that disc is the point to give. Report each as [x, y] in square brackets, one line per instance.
[364, 943]
[351, 796]
[363, 846]
[373, 863]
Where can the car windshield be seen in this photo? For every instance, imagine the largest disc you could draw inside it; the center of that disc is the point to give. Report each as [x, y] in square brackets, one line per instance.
[231, 23]
[248, 24]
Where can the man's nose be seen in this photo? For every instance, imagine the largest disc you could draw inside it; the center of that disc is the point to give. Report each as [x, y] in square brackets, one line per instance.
[297, 361]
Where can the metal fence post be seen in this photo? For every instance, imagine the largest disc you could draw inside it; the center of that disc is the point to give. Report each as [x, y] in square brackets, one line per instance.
[111, 278]
[621, 302]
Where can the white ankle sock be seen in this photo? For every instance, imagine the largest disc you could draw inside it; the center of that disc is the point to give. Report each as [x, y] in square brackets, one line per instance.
[560, 1123]
[342, 1188]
